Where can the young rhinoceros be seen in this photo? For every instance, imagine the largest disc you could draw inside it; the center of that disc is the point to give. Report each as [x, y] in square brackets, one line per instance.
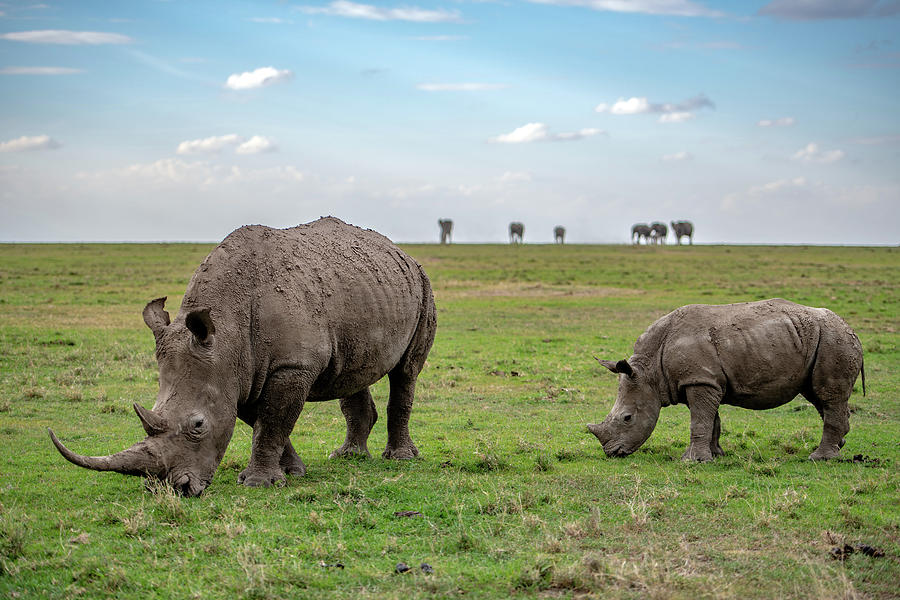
[271, 319]
[755, 355]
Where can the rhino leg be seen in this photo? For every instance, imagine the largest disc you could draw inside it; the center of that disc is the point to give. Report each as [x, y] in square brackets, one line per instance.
[714, 446]
[703, 402]
[290, 461]
[360, 413]
[399, 444]
[280, 405]
[836, 424]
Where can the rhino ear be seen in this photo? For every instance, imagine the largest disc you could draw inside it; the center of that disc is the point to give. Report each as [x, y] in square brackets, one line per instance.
[617, 367]
[155, 317]
[201, 325]
[623, 367]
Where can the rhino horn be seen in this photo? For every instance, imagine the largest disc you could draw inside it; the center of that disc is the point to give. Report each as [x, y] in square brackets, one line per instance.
[153, 423]
[136, 460]
[156, 318]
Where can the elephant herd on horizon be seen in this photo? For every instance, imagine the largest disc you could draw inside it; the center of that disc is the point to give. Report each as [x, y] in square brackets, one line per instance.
[655, 233]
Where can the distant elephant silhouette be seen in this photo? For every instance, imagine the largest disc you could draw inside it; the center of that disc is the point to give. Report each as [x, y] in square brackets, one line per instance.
[446, 226]
[683, 228]
[559, 234]
[641, 230]
[658, 232]
[516, 232]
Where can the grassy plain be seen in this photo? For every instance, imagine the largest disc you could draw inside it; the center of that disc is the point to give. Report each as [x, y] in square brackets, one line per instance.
[515, 498]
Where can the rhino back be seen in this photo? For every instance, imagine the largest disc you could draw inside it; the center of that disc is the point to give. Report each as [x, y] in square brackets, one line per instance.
[759, 354]
[325, 297]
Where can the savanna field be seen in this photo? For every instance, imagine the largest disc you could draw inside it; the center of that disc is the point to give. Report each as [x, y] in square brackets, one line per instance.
[511, 498]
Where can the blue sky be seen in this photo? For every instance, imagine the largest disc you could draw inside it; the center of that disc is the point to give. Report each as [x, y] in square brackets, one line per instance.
[762, 122]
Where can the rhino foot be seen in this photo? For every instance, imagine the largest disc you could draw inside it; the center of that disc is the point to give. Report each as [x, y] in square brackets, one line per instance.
[697, 455]
[260, 477]
[292, 465]
[350, 451]
[402, 453]
[824, 454]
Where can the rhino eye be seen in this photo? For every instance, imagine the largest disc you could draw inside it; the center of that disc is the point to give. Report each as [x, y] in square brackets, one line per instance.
[627, 418]
[197, 423]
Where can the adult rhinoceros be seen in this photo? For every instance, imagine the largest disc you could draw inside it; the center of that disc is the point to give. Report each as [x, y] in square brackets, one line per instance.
[273, 318]
[755, 355]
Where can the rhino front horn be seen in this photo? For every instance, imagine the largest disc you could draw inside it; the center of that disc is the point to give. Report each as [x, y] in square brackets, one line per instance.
[137, 460]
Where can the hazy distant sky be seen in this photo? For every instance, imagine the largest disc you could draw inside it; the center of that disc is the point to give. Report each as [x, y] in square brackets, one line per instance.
[761, 121]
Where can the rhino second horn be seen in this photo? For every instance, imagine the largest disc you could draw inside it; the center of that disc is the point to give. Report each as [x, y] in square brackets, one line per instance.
[136, 460]
[153, 423]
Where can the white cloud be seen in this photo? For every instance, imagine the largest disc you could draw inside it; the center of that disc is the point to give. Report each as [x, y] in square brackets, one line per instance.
[210, 145]
[199, 174]
[28, 143]
[256, 145]
[354, 10]
[460, 87]
[257, 78]
[811, 153]
[670, 112]
[782, 122]
[676, 117]
[808, 10]
[677, 156]
[39, 71]
[681, 8]
[538, 132]
[63, 36]
[778, 185]
[632, 106]
[514, 177]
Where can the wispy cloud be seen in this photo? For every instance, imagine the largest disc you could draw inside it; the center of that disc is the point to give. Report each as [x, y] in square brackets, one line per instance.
[669, 112]
[354, 10]
[64, 36]
[256, 145]
[539, 132]
[210, 145]
[29, 143]
[781, 122]
[819, 10]
[811, 153]
[677, 156]
[460, 87]
[257, 78]
[680, 8]
[39, 71]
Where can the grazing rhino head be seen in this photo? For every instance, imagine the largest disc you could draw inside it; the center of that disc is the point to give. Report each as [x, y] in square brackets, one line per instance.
[192, 422]
[633, 416]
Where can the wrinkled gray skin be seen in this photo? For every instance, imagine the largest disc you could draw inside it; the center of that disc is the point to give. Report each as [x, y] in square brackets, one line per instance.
[658, 232]
[446, 226]
[683, 229]
[638, 231]
[559, 234]
[755, 355]
[271, 319]
[516, 232]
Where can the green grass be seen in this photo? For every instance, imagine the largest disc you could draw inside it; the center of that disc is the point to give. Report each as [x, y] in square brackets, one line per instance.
[516, 498]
